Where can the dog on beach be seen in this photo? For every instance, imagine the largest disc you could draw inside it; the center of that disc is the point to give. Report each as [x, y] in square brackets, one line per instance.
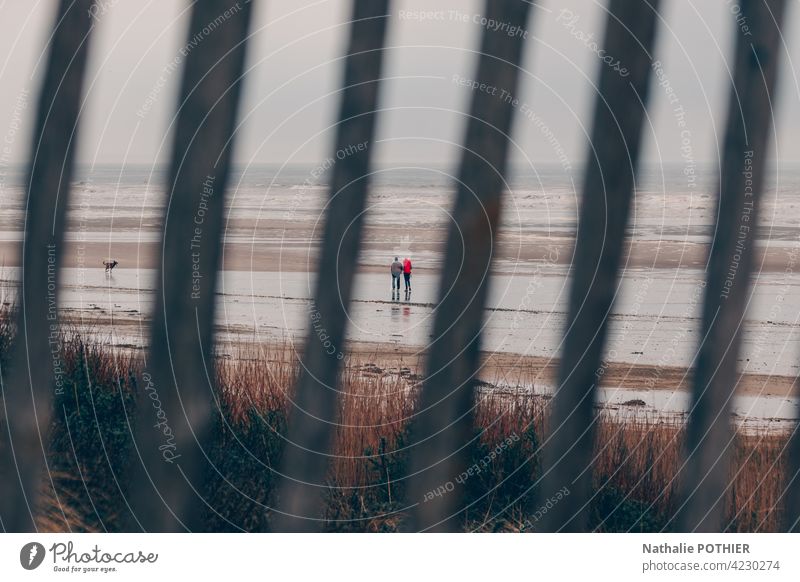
[110, 264]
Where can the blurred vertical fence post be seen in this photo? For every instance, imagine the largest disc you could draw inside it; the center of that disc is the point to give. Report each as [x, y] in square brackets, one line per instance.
[312, 420]
[33, 380]
[608, 189]
[442, 432]
[174, 411]
[705, 478]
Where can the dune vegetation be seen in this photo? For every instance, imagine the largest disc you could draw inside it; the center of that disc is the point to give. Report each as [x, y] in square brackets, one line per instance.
[636, 459]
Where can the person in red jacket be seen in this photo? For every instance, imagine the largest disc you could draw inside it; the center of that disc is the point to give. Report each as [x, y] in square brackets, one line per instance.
[407, 272]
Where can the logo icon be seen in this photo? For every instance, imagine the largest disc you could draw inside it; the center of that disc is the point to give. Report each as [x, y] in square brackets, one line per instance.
[31, 555]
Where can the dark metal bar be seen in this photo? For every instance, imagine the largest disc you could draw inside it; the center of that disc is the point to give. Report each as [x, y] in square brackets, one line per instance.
[607, 194]
[744, 157]
[305, 461]
[35, 364]
[443, 427]
[175, 400]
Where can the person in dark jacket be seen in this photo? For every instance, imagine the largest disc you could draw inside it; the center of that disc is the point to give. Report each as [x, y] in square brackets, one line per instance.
[396, 270]
[407, 273]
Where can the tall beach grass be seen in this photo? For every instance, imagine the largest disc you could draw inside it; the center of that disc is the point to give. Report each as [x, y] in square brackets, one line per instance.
[635, 463]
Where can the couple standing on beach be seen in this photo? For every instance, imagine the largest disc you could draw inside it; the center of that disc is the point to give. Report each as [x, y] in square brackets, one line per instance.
[398, 269]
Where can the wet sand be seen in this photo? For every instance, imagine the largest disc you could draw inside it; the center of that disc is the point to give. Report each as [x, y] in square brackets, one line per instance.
[273, 227]
[497, 368]
[279, 255]
[513, 369]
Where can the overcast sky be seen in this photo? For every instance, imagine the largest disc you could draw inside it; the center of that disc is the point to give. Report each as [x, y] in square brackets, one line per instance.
[293, 73]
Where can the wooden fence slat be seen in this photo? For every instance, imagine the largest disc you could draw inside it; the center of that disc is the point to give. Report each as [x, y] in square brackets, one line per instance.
[28, 394]
[607, 194]
[175, 399]
[443, 427]
[744, 155]
[311, 425]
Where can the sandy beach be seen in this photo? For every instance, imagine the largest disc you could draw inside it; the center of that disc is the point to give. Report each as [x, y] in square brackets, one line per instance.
[281, 252]
[512, 369]
[272, 233]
